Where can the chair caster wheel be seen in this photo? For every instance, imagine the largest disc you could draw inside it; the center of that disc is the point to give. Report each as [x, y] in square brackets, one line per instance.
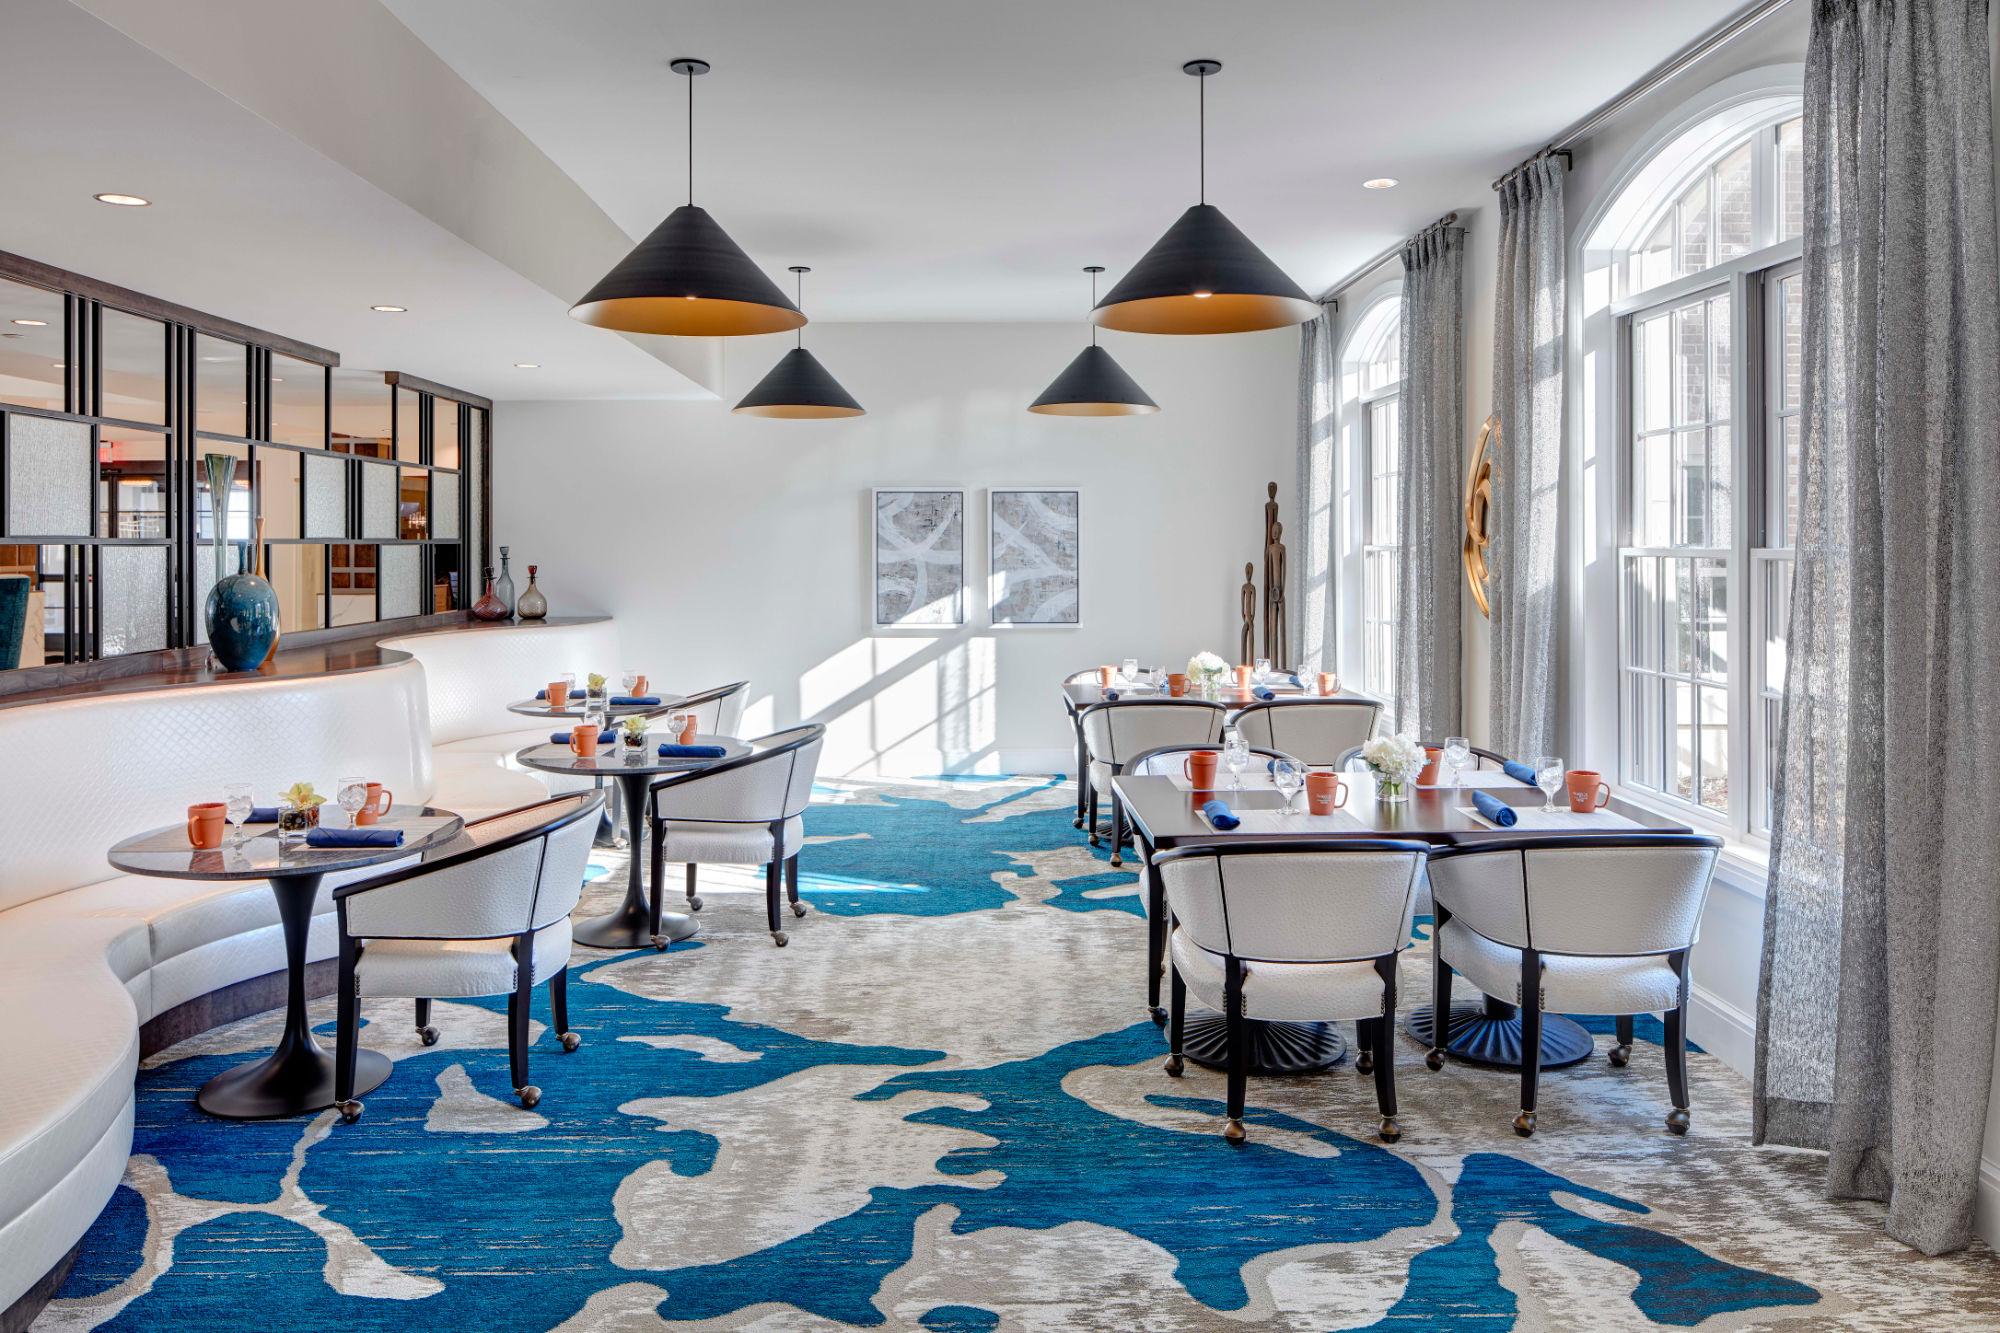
[1233, 1131]
[1174, 1066]
[1620, 1056]
[798, 909]
[1434, 1059]
[1524, 1124]
[1390, 1130]
[694, 904]
[350, 1111]
[1677, 1120]
[780, 938]
[429, 1034]
[1077, 822]
[570, 1041]
[1096, 841]
[528, 1095]
[660, 943]
[1364, 1063]
[1117, 861]
[1158, 1015]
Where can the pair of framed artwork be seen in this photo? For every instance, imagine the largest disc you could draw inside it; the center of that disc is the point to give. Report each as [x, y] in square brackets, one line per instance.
[1034, 557]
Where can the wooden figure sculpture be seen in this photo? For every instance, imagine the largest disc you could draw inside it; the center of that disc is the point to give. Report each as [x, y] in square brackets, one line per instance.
[1477, 548]
[1274, 584]
[1249, 614]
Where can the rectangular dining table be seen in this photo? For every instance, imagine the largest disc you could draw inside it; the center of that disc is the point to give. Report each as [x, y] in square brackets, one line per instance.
[1165, 814]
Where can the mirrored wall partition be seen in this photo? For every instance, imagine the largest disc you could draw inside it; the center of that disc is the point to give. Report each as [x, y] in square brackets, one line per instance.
[361, 495]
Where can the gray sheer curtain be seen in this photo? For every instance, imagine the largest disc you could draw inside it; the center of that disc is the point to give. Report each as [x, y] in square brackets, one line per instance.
[1312, 624]
[1528, 312]
[1428, 511]
[1882, 926]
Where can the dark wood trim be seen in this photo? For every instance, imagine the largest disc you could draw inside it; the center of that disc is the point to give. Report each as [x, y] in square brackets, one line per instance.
[138, 303]
[255, 996]
[16, 1317]
[416, 383]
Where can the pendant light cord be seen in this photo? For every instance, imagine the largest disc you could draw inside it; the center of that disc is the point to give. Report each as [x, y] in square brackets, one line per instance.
[1093, 306]
[690, 79]
[1201, 138]
[799, 300]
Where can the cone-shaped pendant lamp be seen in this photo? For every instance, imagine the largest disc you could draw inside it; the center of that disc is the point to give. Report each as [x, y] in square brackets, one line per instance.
[799, 386]
[1094, 385]
[688, 277]
[1204, 276]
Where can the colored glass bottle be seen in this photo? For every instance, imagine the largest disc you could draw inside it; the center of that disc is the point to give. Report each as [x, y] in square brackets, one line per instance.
[503, 587]
[533, 605]
[489, 607]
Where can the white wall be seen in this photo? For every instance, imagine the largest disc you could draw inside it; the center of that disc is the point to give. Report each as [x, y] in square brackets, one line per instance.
[733, 547]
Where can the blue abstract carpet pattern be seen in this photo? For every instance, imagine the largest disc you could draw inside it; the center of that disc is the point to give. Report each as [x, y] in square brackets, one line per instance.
[941, 1110]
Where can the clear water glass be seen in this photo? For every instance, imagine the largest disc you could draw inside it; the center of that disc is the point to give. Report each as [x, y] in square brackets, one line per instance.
[1549, 777]
[1236, 755]
[630, 680]
[1263, 667]
[1457, 754]
[237, 805]
[350, 794]
[1129, 668]
[1290, 779]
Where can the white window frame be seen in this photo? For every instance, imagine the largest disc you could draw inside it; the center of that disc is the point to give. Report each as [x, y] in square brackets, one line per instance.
[1376, 318]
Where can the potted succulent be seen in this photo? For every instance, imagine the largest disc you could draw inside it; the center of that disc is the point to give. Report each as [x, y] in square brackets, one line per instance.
[298, 812]
[1395, 761]
[632, 737]
[595, 692]
[1206, 671]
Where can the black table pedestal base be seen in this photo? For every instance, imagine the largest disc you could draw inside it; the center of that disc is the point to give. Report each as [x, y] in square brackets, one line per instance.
[293, 1080]
[1275, 1047]
[1490, 1034]
[631, 926]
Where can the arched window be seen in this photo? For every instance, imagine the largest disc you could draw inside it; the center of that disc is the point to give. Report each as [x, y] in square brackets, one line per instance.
[1690, 281]
[1371, 378]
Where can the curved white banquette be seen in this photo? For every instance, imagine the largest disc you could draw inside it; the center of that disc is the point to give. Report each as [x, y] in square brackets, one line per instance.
[89, 958]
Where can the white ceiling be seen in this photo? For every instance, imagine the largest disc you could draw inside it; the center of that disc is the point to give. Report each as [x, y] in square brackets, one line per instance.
[961, 161]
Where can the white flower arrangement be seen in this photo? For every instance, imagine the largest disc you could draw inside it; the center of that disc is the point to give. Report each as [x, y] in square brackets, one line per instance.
[1395, 759]
[1206, 668]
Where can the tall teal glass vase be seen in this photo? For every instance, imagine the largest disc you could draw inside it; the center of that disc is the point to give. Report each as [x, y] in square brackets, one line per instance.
[242, 610]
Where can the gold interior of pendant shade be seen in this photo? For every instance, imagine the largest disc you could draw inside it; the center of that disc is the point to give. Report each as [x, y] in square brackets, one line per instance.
[700, 318]
[1223, 312]
[798, 411]
[1094, 409]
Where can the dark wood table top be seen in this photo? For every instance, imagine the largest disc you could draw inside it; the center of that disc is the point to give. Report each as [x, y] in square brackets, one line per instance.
[1167, 816]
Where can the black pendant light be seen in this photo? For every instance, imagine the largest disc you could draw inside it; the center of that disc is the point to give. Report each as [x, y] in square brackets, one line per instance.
[798, 386]
[1094, 385]
[1204, 276]
[688, 277]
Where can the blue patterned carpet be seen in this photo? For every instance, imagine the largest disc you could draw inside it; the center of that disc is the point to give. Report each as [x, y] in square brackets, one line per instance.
[941, 1109]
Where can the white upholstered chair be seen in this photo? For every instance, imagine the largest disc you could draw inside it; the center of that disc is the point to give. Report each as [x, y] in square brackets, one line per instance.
[1163, 762]
[1318, 731]
[1116, 733]
[1087, 676]
[717, 712]
[1307, 931]
[462, 922]
[744, 811]
[1593, 924]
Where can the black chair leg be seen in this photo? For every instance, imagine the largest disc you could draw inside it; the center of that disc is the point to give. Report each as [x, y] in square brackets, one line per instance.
[792, 884]
[1239, 1048]
[659, 868]
[559, 1009]
[1156, 938]
[1117, 830]
[1621, 1054]
[1082, 776]
[694, 899]
[425, 1031]
[517, 1029]
[1677, 1069]
[1385, 1052]
[773, 877]
[1440, 993]
[1531, 1039]
[1176, 1021]
[1090, 820]
[347, 1039]
[1364, 1045]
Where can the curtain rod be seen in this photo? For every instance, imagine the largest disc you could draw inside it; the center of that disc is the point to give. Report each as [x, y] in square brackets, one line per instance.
[1327, 296]
[1678, 63]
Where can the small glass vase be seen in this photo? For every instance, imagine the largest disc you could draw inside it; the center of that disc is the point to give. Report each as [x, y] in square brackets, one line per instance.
[489, 607]
[294, 822]
[532, 606]
[1389, 792]
[503, 587]
[633, 747]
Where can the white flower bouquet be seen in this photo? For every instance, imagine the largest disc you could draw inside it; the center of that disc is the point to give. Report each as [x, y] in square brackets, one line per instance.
[1206, 671]
[1395, 761]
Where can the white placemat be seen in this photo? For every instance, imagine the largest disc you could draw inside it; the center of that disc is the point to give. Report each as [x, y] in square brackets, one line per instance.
[1560, 821]
[1276, 821]
[1487, 779]
[1252, 781]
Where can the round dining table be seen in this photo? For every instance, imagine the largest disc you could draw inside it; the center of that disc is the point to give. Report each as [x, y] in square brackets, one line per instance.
[631, 926]
[296, 1077]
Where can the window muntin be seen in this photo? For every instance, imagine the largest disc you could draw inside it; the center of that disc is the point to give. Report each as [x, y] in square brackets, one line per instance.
[1749, 196]
[1372, 380]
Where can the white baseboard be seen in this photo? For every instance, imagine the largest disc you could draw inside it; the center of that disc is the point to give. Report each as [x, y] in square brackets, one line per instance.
[1986, 1213]
[1723, 1030]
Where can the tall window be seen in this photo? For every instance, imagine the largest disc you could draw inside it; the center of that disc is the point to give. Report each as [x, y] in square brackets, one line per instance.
[1372, 376]
[1704, 301]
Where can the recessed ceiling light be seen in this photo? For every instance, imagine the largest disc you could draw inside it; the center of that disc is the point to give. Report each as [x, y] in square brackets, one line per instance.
[1381, 183]
[390, 309]
[277, 379]
[60, 365]
[527, 365]
[33, 323]
[123, 200]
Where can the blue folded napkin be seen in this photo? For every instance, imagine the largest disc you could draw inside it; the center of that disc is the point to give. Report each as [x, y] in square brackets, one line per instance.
[1519, 772]
[562, 737]
[1219, 814]
[691, 752]
[1263, 693]
[541, 694]
[635, 700]
[1111, 696]
[1297, 683]
[262, 814]
[355, 837]
[1494, 809]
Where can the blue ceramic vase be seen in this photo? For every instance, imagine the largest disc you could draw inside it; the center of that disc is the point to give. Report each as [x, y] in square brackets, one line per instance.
[242, 610]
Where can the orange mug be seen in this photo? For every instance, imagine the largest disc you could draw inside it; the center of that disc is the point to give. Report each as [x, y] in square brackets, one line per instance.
[1177, 684]
[378, 805]
[1587, 791]
[1199, 769]
[583, 742]
[1104, 676]
[558, 695]
[1429, 777]
[205, 822]
[639, 687]
[1325, 793]
[1329, 684]
[1243, 678]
